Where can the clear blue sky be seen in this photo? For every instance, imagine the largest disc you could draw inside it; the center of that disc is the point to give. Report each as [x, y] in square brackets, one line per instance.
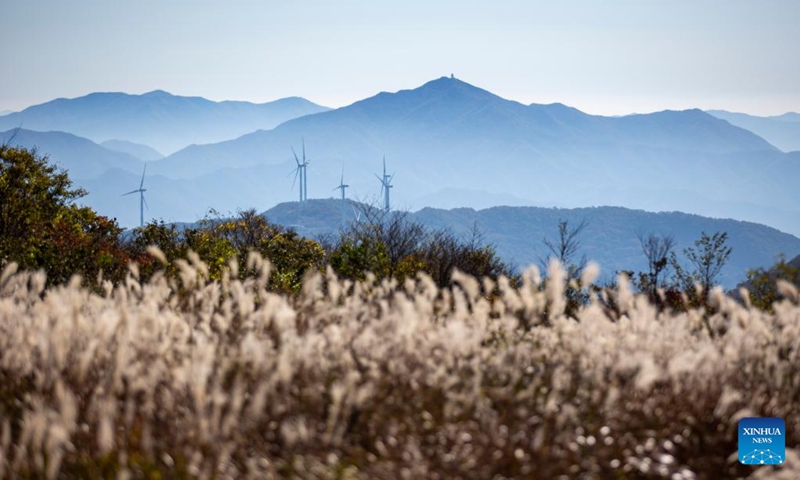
[607, 57]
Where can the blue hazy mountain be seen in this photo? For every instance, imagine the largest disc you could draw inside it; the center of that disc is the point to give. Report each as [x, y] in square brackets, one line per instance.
[142, 152]
[450, 118]
[448, 134]
[783, 131]
[610, 238]
[161, 120]
[81, 157]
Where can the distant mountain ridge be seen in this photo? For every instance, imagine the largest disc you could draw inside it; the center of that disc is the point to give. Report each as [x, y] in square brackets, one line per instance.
[142, 152]
[158, 119]
[448, 134]
[610, 237]
[783, 131]
[442, 112]
[81, 157]
[450, 141]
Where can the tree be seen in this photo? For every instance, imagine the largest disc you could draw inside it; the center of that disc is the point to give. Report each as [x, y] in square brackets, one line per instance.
[32, 193]
[41, 227]
[384, 243]
[656, 248]
[444, 252]
[762, 284]
[708, 256]
[565, 249]
[290, 254]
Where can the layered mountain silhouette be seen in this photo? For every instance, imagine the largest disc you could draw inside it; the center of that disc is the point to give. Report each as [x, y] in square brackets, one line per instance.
[81, 157]
[448, 139]
[448, 134]
[157, 119]
[142, 152]
[783, 131]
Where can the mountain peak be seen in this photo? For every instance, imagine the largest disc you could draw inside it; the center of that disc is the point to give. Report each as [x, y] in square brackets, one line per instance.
[452, 84]
[157, 93]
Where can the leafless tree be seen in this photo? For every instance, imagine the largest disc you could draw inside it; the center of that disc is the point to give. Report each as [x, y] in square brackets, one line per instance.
[657, 249]
[566, 247]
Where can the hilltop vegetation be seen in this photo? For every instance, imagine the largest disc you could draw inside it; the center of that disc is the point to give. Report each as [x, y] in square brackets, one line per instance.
[610, 237]
[43, 228]
[185, 353]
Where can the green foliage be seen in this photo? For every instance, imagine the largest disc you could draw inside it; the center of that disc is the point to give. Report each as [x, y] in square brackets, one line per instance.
[213, 249]
[762, 284]
[80, 241]
[159, 234]
[40, 227]
[291, 255]
[391, 245]
[707, 257]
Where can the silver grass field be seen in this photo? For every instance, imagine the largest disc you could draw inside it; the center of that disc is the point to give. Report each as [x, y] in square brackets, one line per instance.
[193, 378]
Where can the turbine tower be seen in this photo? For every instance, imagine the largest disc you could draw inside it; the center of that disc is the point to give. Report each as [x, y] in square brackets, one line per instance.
[342, 187]
[301, 171]
[386, 184]
[142, 201]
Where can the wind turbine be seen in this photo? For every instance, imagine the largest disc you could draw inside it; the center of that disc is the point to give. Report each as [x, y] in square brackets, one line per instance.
[356, 214]
[386, 184]
[342, 187]
[301, 170]
[142, 202]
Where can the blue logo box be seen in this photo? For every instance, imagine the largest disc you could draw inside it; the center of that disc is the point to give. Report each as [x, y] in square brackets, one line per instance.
[762, 441]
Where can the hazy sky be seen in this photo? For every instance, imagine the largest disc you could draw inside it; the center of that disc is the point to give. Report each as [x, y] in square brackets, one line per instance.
[607, 57]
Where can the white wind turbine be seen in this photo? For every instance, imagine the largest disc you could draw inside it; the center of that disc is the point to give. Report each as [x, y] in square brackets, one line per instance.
[342, 187]
[142, 201]
[302, 172]
[386, 184]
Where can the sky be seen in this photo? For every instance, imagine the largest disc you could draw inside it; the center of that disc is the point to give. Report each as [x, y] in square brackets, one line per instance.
[612, 57]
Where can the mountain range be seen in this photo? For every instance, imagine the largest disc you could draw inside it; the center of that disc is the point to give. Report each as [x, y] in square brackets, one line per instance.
[81, 157]
[453, 144]
[157, 119]
[142, 152]
[610, 237]
[783, 131]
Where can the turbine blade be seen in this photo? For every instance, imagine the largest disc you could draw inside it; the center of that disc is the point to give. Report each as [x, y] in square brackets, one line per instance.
[296, 172]
[132, 191]
[304, 149]
[146, 206]
[384, 165]
[142, 182]
[295, 157]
